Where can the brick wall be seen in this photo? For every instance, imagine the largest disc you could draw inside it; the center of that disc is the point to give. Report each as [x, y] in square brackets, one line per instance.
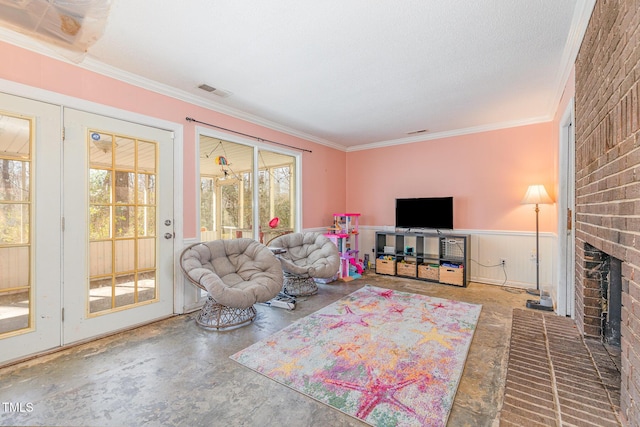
[608, 172]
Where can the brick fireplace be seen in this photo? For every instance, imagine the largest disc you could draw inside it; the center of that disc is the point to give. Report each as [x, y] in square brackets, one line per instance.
[607, 110]
[602, 295]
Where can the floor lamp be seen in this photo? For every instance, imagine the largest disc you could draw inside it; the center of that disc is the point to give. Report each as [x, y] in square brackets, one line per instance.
[537, 195]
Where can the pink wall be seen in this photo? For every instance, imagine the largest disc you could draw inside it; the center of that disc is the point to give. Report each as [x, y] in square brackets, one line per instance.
[323, 180]
[487, 173]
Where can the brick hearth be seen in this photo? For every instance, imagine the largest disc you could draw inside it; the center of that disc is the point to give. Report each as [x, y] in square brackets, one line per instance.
[555, 377]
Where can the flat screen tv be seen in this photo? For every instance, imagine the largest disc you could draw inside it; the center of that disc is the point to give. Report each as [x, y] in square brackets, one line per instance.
[425, 212]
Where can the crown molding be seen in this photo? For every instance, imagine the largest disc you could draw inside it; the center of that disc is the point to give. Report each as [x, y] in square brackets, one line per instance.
[448, 134]
[579, 24]
[581, 17]
[91, 64]
[582, 14]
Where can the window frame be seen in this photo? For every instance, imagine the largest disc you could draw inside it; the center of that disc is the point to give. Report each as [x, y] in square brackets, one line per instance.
[257, 147]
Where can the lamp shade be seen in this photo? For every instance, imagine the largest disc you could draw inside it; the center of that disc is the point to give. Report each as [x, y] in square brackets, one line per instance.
[536, 195]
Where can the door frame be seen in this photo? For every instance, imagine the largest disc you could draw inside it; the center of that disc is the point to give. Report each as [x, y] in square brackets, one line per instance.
[566, 194]
[62, 100]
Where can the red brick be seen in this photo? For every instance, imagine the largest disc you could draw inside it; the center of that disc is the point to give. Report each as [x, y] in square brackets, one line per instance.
[607, 106]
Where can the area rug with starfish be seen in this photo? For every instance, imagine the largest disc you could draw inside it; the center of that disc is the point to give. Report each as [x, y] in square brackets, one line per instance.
[386, 357]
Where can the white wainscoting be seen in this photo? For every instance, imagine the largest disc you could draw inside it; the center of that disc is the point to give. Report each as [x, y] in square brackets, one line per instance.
[487, 248]
[517, 248]
[193, 298]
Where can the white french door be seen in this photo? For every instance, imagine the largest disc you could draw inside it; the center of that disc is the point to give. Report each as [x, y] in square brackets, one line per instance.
[118, 215]
[30, 234]
[86, 226]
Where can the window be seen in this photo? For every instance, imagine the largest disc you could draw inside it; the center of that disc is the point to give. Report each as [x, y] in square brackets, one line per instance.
[227, 193]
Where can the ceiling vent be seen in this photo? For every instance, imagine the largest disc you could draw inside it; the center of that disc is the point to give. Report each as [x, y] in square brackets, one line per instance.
[221, 93]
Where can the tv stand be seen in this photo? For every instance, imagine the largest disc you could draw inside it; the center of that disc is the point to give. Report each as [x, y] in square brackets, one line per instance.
[434, 256]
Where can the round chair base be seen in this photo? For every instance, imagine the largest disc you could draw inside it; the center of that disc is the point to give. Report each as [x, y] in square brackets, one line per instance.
[218, 316]
[298, 286]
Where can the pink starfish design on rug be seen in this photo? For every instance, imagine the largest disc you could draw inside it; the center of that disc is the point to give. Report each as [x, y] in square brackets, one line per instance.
[375, 392]
[348, 318]
[388, 358]
[384, 294]
[397, 309]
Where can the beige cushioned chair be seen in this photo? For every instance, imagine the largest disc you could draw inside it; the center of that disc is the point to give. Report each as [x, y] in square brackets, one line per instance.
[237, 274]
[307, 256]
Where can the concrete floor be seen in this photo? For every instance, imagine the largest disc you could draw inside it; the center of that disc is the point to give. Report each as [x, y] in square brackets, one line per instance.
[173, 373]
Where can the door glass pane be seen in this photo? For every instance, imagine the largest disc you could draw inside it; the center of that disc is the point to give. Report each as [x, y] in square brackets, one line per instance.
[147, 157]
[125, 255]
[125, 187]
[125, 291]
[100, 294]
[100, 222]
[146, 221]
[101, 257]
[15, 180]
[16, 301]
[123, 221]
[125, 153]
[276, 193]
[146, 189]
[146, 286]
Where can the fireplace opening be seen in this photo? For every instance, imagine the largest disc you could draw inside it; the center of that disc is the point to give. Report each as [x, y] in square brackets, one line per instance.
[603, 294]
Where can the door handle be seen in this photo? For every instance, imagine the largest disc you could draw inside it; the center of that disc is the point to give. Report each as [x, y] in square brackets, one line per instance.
[168, 235]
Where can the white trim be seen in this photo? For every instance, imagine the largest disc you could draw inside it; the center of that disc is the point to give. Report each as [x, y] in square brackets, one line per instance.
[178, 216]
[579, 24]
[315, 230]
[468, 231]
[91, 64]
[488, 246]
[190, 302]
[199, 130]
[504, 233]
[452, 133]
[565, 293]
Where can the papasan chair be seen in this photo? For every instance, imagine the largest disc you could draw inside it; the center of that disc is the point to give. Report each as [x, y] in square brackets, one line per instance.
[237, 274]
[306, 256]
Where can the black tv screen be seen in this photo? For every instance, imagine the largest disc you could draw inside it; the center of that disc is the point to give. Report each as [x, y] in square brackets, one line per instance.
[425, 212]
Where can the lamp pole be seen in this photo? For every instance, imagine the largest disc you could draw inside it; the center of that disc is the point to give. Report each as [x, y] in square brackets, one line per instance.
[537, 290]
[536, 195]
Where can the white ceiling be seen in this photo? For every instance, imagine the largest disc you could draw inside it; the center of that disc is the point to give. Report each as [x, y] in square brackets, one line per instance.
[353, 74]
